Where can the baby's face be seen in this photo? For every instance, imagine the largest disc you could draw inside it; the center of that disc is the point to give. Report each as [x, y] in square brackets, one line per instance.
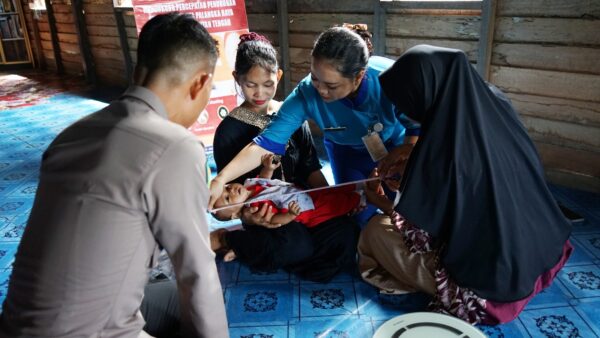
[232, 194]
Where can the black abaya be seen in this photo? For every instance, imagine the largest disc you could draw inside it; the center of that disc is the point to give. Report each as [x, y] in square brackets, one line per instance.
[474, 180]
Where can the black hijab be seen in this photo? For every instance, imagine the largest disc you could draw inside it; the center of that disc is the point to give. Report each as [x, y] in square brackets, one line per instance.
[474, 180]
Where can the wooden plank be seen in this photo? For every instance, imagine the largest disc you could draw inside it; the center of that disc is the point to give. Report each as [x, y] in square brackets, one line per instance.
[435, 12]
[284, 54]
[39, 56]
[97, 2]
[98, 19]
[45, 36]
[262, 22]
[73, 68]
[66, 28]
[448, 27]
[54, 35]
[301, 40]
[549, 57]
[584, 137]
[297, 76]
[129, 20]
[539, 138]
[102, 31]
[300, 57]
[330, 6]
[71, 57]
[548, 30]
[439, 5]
[550, 8]
[102, 64]
[64, 18]
[274, 38]
[112, 76]
[486, 38]
[105, 8]
[397, 46]
[107, 42]
[132, 43]
[551, 108]
[112, 54]
[46, 45]
[61, 8]
[573, 180]
[43, 27]
[124, 44]
[378, 28]
[260, 6]
[49, 55]
[547, 83]
[63, 37]
[316, 23]
[566, 158]
[69, 48]
[89, 67]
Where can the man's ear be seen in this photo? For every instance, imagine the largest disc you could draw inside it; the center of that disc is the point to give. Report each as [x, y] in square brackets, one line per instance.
[201, 80]
[279, 74]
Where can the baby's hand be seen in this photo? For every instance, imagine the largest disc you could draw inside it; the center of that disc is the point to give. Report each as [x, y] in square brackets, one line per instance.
[294, 208]
[271, 161]
[375, 185]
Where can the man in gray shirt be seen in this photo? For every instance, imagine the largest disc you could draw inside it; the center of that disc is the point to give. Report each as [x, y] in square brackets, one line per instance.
[115, 188]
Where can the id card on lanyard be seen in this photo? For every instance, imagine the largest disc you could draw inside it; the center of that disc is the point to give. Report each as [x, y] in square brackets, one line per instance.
[374, 144]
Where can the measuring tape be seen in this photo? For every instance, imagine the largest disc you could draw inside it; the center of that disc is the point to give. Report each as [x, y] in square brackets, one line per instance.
[262, 198]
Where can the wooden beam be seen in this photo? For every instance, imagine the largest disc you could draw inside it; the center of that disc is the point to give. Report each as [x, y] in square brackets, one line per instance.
[486, 37]
[54, 35]
[84, 43]
[39, 56]
[432, 4]
[284, 45]
[378, 30]
[124, 44]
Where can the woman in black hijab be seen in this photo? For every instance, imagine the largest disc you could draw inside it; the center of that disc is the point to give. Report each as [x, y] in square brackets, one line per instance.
[480, 230]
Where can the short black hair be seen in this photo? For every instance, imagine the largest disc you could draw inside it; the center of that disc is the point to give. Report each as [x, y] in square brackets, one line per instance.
[344, 49]
[174, 40]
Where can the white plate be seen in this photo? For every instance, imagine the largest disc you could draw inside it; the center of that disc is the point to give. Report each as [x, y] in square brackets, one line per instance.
[427, 325]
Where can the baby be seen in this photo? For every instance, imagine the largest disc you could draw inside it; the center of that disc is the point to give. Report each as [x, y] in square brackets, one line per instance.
[290, 203]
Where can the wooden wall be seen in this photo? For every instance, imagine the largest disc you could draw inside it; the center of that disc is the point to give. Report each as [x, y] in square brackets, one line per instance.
[546, 57]
[545, 54]
[68, 45]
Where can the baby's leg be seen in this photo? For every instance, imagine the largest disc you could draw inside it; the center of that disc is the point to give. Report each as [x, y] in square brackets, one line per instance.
[217, 240]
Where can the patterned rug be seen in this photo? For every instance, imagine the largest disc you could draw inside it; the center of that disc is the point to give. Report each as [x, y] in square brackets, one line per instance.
[30, 88]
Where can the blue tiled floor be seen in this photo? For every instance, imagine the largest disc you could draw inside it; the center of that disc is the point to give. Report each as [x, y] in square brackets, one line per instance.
[279, 304]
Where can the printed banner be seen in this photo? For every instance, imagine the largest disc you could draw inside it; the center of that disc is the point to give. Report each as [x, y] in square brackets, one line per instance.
[226, 20]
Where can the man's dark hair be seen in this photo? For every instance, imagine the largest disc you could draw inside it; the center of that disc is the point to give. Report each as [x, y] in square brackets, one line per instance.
[173, 41]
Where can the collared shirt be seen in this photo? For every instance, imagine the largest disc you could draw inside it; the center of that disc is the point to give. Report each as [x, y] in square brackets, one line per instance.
[357, 116]
[115, 187]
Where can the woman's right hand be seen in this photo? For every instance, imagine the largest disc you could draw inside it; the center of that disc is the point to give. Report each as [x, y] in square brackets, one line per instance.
[262, 216]
[216, 189]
